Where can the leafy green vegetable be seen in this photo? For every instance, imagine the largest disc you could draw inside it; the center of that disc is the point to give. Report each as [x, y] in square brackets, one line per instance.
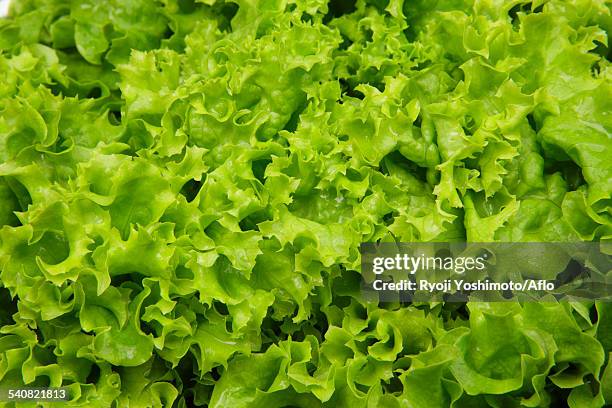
[184, 185]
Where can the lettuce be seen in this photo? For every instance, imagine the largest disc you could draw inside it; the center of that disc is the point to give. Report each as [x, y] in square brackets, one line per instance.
[184, 185]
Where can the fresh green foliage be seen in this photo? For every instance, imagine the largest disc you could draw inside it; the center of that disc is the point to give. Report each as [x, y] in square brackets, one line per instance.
[184, 187]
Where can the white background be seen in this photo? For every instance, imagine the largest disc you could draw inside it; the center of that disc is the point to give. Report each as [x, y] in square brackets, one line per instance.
[4, 5]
